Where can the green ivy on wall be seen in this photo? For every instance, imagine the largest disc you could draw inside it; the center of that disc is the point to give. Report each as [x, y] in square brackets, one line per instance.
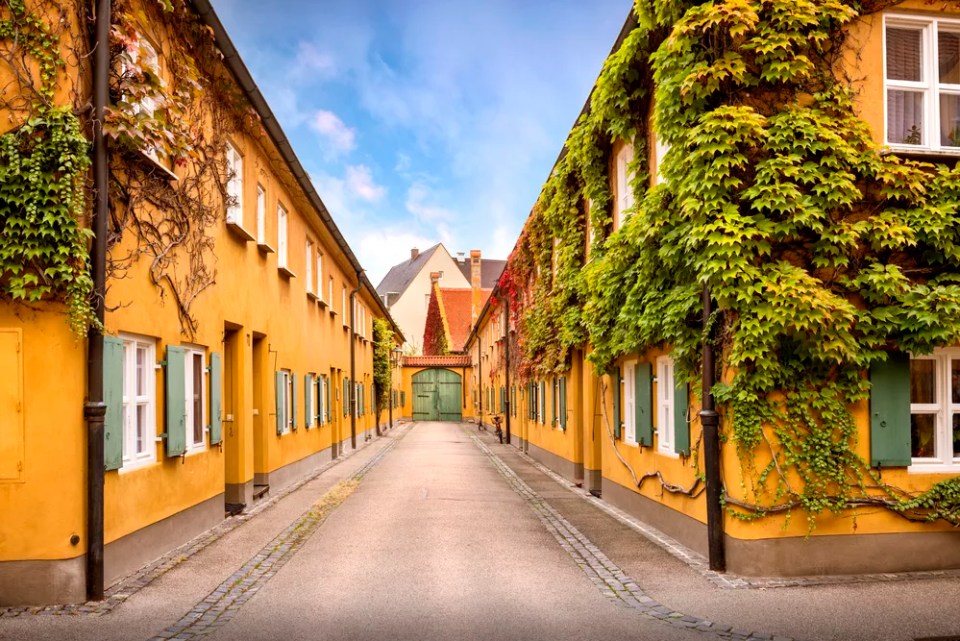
[822, 252]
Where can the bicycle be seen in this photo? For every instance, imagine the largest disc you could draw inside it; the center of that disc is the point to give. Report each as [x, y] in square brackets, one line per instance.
[497, 419]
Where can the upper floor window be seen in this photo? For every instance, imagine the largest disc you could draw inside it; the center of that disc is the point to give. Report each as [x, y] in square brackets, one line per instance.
[922, 82]
[234, 186]
[309, 267]
[660, 150]
[281, 236]
[319, 275]
[261, 215]
[624, 187]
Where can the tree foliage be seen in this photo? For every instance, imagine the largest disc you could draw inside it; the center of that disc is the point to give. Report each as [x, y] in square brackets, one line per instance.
[823, 253]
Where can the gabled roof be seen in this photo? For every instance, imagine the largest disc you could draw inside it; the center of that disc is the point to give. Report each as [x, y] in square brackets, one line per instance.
[458, 306]
[400, 276]
[490, 271]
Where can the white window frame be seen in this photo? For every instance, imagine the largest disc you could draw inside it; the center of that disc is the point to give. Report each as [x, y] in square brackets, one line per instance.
[234, 185]
[287, 401]
[309, 267]
[660, 150]
[556, 401]
[147, 105]
[625, 200]
[330, 292]
[944, 458]
[134, 457]
[261, 215]
[929, 86]
[542, 404]
[321, 391]
[666, 386]
[282, 222]
[319, 281]
[189, 355]
[629, 396]
[343, 303]
[312, 394]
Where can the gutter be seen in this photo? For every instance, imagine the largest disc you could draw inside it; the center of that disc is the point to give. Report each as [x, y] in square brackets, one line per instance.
[94, 410]
[231, 58]
[710, 421]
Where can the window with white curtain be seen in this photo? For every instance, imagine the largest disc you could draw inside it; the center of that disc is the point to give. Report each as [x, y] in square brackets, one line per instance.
[922, 82]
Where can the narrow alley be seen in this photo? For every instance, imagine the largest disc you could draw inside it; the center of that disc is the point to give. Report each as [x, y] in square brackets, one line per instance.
[438, 532]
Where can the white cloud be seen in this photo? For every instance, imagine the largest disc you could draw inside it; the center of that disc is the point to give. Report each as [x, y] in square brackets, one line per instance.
[381, 248]
[329, 125]
[417, 204]
[360, 182]
[311, 59]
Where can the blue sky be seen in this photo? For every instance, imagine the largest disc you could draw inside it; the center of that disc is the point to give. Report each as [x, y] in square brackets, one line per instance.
[425, 120]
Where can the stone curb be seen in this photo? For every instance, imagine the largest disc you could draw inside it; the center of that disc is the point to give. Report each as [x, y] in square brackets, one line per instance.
[609, 578]
[133, 583]
[727, 581]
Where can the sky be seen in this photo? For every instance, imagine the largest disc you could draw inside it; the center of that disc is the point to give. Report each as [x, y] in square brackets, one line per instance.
[425, 121]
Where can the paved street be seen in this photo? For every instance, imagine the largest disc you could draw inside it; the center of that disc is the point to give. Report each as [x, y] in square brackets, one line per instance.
[431, 533]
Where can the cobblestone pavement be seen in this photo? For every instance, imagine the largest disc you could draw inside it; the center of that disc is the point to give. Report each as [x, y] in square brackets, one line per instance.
[728, 581]
[220, 606]
[130, 585]
[605, 574]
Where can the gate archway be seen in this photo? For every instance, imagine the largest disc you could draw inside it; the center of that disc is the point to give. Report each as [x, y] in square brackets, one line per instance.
[436, 395]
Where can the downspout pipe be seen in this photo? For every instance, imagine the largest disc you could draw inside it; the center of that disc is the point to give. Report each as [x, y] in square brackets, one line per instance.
[95, 409]
[506, 360]
[353, 362]
[710, 421]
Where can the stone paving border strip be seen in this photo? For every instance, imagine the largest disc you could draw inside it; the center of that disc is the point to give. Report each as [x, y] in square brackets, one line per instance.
[609, 578]
[221, 605]
[126, 587]
[726, 580]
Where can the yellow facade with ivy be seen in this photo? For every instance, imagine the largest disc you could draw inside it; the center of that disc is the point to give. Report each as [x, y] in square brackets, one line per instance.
[238, 350]
[830, 268]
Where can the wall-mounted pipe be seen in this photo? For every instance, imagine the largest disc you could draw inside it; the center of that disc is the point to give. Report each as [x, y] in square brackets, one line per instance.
[710, 421]
[94, 409]
[353, 361]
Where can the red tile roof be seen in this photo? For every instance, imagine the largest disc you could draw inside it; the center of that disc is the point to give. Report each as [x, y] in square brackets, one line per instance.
[450, 360]
[458, 307]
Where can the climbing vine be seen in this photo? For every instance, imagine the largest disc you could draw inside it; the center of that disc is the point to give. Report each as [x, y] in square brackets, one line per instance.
[383, 344]
[44, 160]
[822, 252]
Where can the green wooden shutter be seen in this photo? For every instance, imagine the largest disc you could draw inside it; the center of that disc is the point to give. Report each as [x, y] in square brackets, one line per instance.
[643, 403]
[346, 397]
[295, 405]
[681, 424]
[616, 402]
[176, 401]
[280, 405]
[553, 402]
[403, 398]
[326, 390]
[563, 402]
[216, 398]
[113, 398]
[308, 395]
[890, 412]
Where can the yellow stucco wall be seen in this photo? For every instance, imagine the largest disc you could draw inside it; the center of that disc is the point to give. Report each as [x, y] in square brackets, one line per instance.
[259, 318]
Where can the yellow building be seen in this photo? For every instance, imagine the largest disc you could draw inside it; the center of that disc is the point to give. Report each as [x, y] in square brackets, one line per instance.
[857, 471]
[237, 350]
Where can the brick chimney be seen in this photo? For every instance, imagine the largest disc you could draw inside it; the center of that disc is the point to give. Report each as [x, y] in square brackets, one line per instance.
[413, 254]
[475, 284]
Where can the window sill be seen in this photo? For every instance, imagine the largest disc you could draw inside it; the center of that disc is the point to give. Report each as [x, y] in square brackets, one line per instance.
[322, 303]
[265, 248]
[151, 158]
[133, 466]
[333, 312]
[918, 151]
[345, 327]
[285, 272]
[237, 230]
[934, 468]
[311, 296]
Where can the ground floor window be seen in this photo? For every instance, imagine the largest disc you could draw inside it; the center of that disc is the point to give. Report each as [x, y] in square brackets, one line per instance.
[195, 392]
[935, 409]
[666, 431]
[139, 402]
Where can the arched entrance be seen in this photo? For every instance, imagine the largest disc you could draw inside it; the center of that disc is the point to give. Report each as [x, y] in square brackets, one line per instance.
[436, 395]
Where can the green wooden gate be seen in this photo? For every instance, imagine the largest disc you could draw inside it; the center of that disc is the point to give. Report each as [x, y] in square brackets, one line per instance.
[436, 395]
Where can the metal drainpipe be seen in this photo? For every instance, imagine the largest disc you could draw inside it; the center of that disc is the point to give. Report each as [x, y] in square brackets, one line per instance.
[353, 364]
[506, 359]
[710, 421]
[94, 410]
